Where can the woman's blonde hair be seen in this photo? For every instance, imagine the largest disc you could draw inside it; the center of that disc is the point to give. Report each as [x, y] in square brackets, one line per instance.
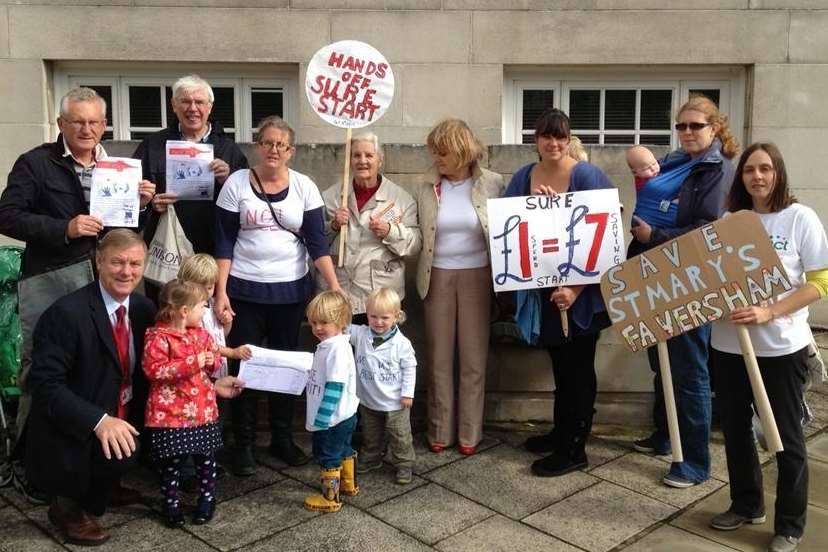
[386, 301]
[201, 269]
[176, 294]
[330, 306]
[453, 136]
[705, 106]
[576, 149]
[274, 121]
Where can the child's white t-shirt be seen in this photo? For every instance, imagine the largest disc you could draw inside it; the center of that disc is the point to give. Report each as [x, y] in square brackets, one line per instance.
[385, 374]
[264, 251]
[332, 361]
[798, 237]
[211, 323]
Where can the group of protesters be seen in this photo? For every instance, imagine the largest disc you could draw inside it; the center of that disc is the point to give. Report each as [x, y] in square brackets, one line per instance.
[274, 240]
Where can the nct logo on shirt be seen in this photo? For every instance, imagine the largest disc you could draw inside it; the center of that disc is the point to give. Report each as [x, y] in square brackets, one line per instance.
[779, 243]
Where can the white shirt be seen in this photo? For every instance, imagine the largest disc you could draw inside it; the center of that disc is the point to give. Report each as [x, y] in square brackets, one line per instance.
[264, 251]
[798, 237]
[459, 242]
[332, 361]
[385, 374]
[211, 323]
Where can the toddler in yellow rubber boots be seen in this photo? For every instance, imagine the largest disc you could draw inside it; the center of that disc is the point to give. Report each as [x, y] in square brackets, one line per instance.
[332, 401]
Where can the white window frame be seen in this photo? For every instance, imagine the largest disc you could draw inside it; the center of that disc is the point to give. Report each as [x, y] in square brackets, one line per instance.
[729, 80]
[242, 77]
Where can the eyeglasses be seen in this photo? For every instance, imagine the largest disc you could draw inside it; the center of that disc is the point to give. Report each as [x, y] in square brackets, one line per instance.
[269, 145]
[79, 125]
[695, 127]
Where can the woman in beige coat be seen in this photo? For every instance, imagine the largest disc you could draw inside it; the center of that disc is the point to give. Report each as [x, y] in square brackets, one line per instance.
[381, 219]
[454, 280]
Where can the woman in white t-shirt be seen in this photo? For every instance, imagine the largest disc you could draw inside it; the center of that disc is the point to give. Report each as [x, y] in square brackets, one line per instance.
[781, 336]
[270, 222]
[455, 283]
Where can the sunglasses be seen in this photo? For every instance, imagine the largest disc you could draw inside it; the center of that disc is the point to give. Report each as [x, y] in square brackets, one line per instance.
[695, 127]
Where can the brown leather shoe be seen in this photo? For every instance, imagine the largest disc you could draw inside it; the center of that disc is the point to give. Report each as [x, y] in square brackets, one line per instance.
[77, 527]
[123, 496]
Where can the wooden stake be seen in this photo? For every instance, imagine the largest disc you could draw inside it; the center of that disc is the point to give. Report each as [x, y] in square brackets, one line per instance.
[346, 185]
[669, 401]
[760, 396]
[564, 323]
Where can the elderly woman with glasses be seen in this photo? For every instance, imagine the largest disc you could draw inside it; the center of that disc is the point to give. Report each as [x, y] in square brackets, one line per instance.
[693, 183]
[269, 221]
[382, 229]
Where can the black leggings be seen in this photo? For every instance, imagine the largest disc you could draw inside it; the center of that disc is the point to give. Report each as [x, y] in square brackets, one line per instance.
[170, 468]
[277, 326]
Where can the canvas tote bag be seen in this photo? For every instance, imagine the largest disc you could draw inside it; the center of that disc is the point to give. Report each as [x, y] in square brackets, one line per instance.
[167, 250]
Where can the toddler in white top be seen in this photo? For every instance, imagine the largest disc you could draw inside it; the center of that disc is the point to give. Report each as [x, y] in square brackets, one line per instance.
[386, 374]
[202, 269]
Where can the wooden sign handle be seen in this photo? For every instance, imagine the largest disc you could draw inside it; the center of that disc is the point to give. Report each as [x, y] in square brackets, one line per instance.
[760, 396]
[669, 401]
[343, 198]
[564, 324]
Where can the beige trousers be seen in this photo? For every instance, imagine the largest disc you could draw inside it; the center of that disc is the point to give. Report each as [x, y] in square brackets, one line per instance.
[457, 314]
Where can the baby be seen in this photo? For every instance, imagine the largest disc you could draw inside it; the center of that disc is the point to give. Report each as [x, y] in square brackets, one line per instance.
[643, 165]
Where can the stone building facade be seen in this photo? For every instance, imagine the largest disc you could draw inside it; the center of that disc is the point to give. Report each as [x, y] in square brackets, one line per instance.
[619, 67]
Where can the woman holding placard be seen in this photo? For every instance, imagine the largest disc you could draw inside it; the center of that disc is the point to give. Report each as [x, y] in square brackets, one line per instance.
[781, 340]
[269, 221]
[698, 175]
[381, 219]
[454, 280]
[573, 351]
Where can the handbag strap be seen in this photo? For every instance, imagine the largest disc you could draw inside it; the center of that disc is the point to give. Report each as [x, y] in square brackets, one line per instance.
[270, 206]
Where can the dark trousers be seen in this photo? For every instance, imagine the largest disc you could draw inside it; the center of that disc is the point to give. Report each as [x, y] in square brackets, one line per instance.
[277, 326]
[573, 365]
[331, 445]
[783, 377]
[105, 474]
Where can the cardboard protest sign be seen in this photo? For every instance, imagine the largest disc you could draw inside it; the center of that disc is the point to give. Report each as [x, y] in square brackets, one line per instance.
[692, 280]
[542, 241]
[349, 84]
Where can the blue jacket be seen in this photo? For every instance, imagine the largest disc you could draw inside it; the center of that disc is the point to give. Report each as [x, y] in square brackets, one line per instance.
[545, 325]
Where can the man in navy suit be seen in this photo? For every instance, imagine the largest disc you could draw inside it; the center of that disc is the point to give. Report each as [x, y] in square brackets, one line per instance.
[89, 391]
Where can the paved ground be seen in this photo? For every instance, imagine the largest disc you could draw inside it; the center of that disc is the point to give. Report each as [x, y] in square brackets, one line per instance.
[487, 502]
[455, 504]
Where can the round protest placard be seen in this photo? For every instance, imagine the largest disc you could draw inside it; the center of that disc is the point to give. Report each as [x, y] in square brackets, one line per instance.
[349, 84]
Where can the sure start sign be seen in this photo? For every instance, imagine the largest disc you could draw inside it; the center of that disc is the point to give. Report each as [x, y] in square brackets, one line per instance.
[349, 84]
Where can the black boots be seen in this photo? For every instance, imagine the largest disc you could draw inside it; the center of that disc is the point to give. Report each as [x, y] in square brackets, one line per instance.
[569, 454]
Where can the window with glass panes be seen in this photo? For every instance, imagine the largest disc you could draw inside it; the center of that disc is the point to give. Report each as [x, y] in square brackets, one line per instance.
[609, 114]
[137, 108]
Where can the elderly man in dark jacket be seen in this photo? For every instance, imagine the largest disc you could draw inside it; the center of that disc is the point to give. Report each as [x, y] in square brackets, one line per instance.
[192, 102]
[46, 205]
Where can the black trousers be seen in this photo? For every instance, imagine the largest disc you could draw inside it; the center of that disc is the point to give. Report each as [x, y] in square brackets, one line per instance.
[105, 474]
[277, 327]
[784, 377]
[573, 365]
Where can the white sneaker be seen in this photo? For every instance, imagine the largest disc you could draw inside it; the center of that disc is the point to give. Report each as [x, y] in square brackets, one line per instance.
[781, 543]
[677, 482]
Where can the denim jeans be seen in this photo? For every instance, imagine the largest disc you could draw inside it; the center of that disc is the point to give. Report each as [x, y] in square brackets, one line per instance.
[331, 445]
[691, 386]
